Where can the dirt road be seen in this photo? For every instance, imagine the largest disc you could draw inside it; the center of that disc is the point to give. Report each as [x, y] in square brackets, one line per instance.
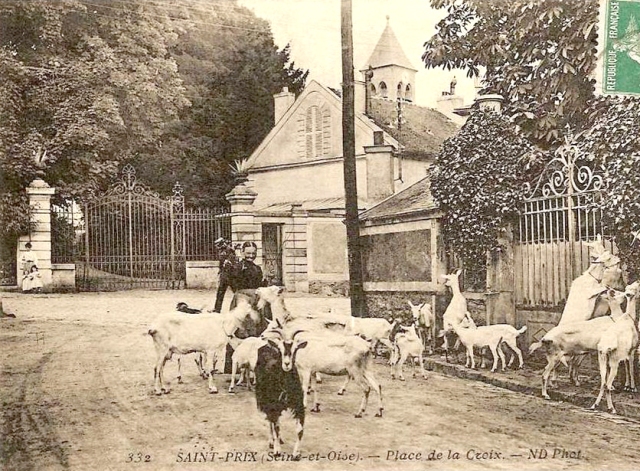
[76, 391]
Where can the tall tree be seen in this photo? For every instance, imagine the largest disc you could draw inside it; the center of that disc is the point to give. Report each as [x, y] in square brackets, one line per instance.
[538, 54]
[231, 69]
[84, 87]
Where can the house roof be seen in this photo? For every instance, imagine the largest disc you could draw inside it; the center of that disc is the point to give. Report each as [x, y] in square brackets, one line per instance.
[416, 198]
[423, 129]
[317, 205]
[361, 120]
[388, 51]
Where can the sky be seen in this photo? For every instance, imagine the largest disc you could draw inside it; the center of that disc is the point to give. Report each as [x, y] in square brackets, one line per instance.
[312, 28]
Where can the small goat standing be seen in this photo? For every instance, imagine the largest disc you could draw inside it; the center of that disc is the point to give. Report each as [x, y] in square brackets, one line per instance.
[424, 320]
[408, 345]
[617, 344]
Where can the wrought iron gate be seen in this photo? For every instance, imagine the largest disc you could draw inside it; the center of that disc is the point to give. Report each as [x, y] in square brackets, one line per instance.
[132, 237]
[272, 252]
[562, 211]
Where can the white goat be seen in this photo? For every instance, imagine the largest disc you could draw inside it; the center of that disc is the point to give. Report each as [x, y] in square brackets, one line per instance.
[244, 358]
[480, 337]
[336, 355]
[457, 308]
[509, 337]
[618, 343]
[424, 319]
[206, 333]
[583, 301]
[409, 345]
[583, 295]
[372, 329]
[575, 338]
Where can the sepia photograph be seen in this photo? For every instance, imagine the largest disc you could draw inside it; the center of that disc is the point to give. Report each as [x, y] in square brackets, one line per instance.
[320, 235]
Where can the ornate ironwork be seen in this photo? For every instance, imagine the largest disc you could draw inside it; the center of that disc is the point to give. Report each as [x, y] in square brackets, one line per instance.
[129, 184]
[134, 238]
[561, 211]
[563, 176]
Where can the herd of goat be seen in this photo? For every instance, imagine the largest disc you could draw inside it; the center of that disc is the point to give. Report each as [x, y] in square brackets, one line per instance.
[284, 355]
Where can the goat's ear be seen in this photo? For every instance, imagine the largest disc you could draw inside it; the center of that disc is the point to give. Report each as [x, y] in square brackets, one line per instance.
[280, 289]
[410, 304]
[273, 343]
[278, 324]
[458, 272]
[302, 344]
[441, 334]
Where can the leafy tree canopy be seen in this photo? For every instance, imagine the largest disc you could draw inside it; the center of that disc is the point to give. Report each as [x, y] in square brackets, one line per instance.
[538, 54]
[477, 180]
[178, 88]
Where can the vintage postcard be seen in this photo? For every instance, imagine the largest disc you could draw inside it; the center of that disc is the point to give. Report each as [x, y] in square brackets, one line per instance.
[319, 235]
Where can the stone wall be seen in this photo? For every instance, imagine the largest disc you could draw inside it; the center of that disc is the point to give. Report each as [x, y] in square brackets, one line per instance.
[63, 277]
[329, 288]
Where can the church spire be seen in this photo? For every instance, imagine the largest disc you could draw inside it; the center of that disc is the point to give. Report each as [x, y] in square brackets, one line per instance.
[388, 51]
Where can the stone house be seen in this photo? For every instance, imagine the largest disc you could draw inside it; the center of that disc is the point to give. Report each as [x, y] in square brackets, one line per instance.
[293, 204]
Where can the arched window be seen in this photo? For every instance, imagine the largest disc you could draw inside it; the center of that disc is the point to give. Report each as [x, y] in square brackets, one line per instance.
[372, 89]
[399, 91]
[383, 90]
[407, 93]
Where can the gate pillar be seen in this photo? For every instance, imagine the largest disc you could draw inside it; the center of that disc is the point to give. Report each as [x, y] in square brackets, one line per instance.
[500, 300]
[40, 236]
[243, 226]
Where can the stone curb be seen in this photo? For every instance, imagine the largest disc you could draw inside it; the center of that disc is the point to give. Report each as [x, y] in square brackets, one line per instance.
[628, 408]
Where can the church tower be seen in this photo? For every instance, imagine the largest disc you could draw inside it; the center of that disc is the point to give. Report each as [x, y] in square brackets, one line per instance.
[391, 74]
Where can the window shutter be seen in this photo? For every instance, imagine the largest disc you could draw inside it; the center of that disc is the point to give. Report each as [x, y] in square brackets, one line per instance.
[301, 136]
[318, 132]
[308, 129]
[326, 132]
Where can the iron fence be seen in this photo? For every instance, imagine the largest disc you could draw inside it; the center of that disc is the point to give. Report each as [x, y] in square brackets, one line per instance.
[132, 237]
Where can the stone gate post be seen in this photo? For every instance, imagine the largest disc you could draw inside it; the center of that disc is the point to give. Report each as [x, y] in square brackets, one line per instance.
[40, 237]
[500, 299]
[243, 226]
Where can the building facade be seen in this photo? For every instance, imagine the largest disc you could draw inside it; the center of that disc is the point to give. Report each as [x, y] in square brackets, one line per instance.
[296, 174]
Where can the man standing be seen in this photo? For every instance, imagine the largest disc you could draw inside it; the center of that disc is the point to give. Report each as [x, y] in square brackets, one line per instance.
[227, 258]
[246, 274]
[239, 275]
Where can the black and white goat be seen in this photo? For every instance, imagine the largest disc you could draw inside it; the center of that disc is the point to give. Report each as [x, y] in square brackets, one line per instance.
[278, 386]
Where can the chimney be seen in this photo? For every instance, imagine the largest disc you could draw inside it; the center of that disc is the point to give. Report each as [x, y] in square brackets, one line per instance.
[282, 102]
[360, 97]
[447, 103]
[490, 102]
[379, 174]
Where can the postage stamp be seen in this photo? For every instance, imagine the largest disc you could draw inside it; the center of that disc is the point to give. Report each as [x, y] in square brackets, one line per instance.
[619, 48]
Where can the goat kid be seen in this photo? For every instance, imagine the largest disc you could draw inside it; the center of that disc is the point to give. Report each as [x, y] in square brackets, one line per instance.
[618, 343]
[408, 345]
[244, 358]
[509, 337]
[480, 337]
[424, 320]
